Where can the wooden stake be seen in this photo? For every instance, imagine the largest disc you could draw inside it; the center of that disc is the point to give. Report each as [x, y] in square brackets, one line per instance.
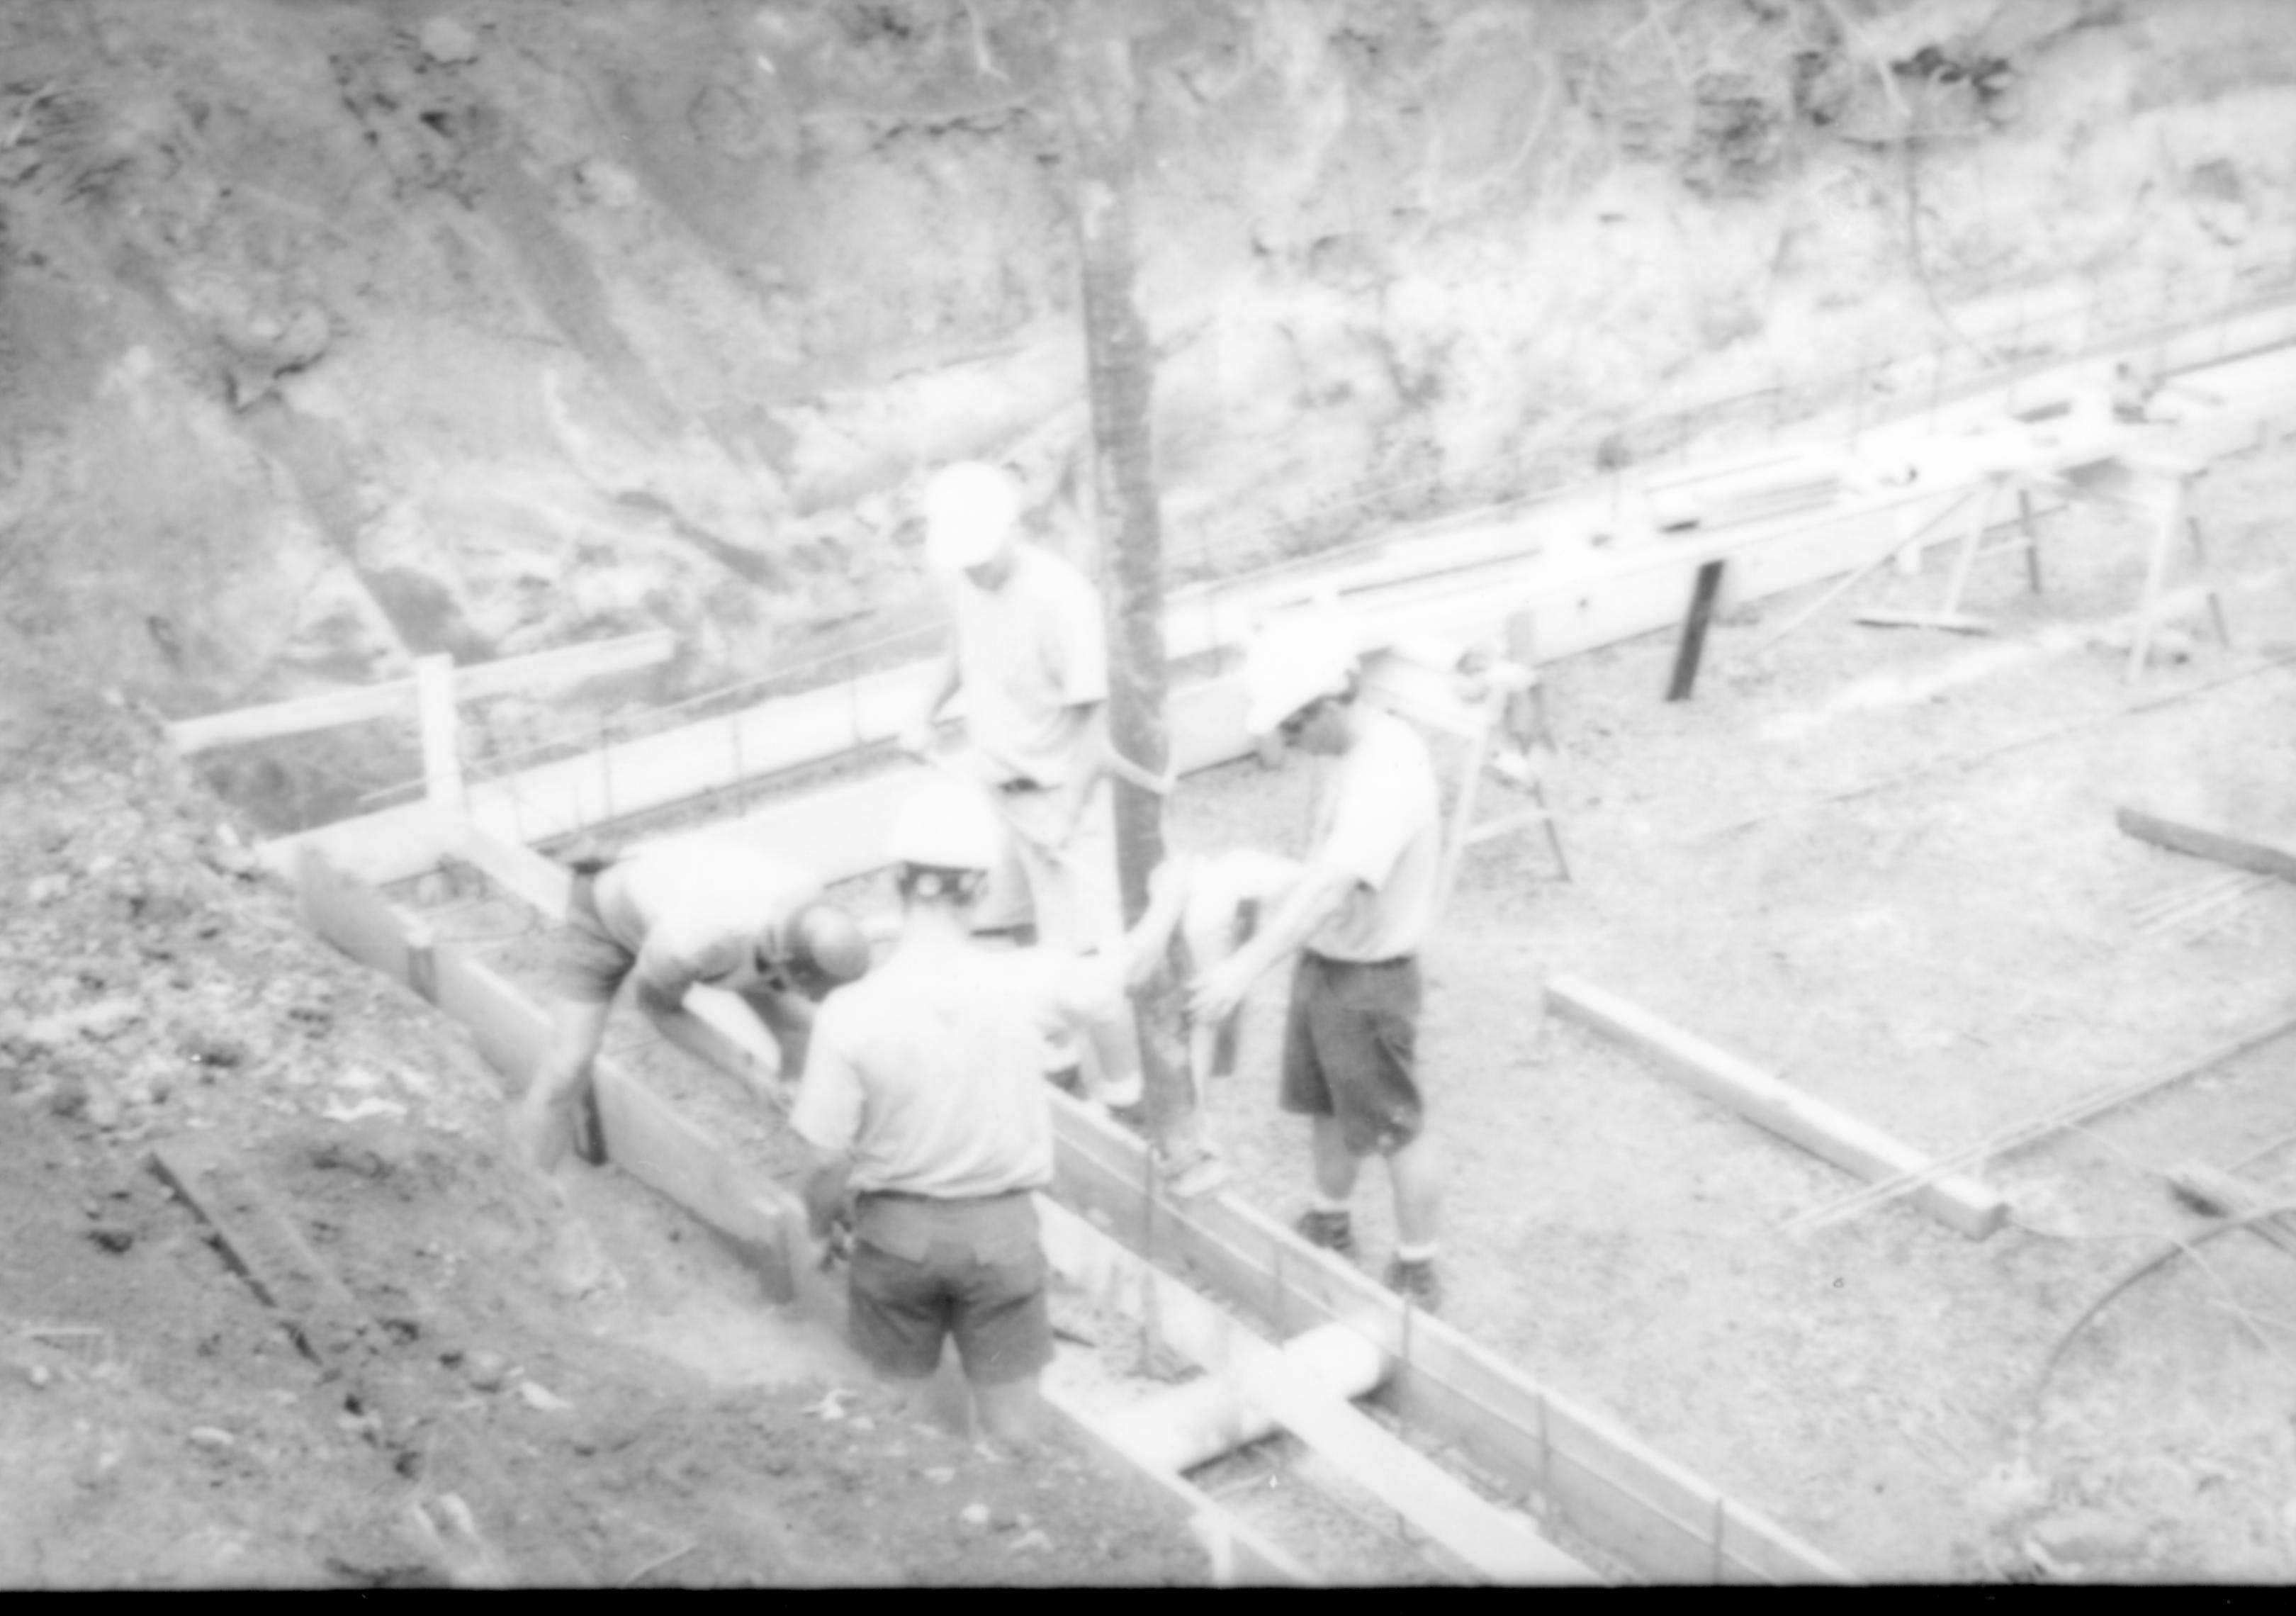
[1693, 630]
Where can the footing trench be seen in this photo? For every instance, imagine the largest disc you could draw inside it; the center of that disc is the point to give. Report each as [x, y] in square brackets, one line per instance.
[1477, 1471]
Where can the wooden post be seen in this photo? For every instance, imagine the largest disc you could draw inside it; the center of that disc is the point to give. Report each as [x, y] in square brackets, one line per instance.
[442, 762]
[1101, 95]
[1694, 631]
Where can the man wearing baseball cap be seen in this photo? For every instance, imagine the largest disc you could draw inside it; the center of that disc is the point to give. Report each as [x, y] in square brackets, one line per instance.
[1358, 916]
[1029, 654]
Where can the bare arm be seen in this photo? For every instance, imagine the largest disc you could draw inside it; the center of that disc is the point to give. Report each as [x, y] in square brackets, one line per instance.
[664, 977]
[918, 736]
[1091, 765]
[1319, 895]
[825, 1190]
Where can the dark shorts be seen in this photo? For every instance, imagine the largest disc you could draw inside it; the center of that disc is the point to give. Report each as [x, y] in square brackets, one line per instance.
[926, 1271]
[590, 965]
[1350, 1050]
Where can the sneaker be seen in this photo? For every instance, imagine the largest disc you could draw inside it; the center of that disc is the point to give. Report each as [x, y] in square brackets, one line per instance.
[1330, 1230]
[1416, 1283]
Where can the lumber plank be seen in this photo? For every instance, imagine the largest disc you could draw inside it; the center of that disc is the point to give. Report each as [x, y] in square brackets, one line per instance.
[2262, 855]
[1494, 1545]
[1825, 1130]
[2225, 1194]
[328, 1323]
[396, 698]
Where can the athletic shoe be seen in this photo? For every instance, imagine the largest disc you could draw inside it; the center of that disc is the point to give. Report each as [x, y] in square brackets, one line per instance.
[1416, 1283]
[1330, 1230]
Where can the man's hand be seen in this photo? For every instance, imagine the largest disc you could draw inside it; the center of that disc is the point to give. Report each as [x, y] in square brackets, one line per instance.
[1145, 945]
[1218, 993]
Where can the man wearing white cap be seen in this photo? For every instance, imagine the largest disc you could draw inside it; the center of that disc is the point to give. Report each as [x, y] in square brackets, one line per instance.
[1358, 914]
[1030, 655]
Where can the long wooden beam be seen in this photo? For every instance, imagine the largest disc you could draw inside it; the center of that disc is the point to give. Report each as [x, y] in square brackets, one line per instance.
[1761, 1098]
[650, 1139]
[2242, 851]
[395, 698]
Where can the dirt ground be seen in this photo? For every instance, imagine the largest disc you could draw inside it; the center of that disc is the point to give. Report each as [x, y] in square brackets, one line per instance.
[167, 1432]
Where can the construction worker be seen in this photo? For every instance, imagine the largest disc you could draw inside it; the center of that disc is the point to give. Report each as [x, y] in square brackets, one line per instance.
[1029, 654]
[697, 910]
[1357, 914]
[924, 1101]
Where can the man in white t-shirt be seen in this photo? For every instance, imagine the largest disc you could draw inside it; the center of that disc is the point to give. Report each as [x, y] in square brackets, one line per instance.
[1359, 915]
[1029, 655]
[697, 910]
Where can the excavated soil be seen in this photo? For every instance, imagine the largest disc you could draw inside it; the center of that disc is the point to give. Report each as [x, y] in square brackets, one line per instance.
[165, 1429]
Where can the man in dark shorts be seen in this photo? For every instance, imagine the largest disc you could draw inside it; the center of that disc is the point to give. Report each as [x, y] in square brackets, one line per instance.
[924, 1101]
[1358, 916]
[694, 911]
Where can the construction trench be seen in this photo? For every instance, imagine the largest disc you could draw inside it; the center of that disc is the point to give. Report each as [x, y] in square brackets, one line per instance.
[2010, 529]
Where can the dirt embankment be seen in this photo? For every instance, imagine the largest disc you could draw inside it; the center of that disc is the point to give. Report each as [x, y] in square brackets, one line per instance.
[162, 1428]
[339, 332]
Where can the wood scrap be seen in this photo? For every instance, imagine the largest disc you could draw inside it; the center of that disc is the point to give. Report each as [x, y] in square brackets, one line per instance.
[2218, 1194]
[2261, 855]
[1952, 622]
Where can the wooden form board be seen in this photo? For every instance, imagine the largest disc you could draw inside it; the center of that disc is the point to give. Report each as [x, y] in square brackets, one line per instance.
[1825, 1130]
[1493, 1543]
[2242, 851]
[395, 698]
[1577, 600]
[1641, 1508]
[657, 1145]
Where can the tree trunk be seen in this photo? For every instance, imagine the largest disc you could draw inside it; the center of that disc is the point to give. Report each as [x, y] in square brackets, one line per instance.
[1101, 97]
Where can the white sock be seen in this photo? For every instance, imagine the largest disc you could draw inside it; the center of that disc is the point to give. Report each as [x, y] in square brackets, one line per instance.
[1418, 1253]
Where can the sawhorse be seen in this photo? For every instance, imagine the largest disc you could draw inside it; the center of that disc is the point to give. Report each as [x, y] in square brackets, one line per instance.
[2155, 482]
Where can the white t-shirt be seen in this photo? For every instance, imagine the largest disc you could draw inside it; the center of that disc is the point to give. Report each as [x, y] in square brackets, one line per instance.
[1380, 820]
[1030, 656]
[698, 910]
[930, 1069]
